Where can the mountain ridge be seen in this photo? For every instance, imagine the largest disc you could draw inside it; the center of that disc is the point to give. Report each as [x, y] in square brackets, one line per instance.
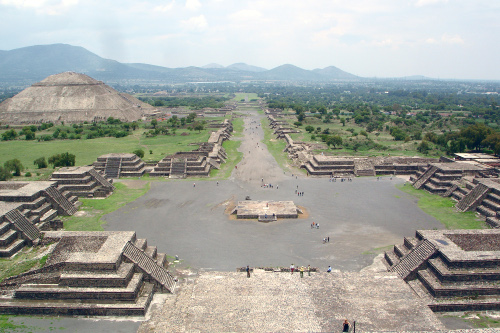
[34, 63]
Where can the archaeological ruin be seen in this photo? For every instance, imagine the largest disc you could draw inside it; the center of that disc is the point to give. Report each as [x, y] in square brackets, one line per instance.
[451, 270]
[26, 208]
[92, 274]
[266, 211]
[71, 98]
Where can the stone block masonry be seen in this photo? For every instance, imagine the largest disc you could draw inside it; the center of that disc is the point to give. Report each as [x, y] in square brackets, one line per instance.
[90, 273]
[453, 270]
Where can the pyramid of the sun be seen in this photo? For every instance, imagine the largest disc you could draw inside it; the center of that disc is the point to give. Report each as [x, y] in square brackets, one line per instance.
[72, 98]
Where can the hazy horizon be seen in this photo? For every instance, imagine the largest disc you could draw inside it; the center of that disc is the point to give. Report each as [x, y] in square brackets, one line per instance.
[391, 38]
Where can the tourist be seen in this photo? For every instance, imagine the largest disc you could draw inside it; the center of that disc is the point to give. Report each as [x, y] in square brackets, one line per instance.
[248, 271]
[329, 269]
[317, 225]
[292, 268]
[345, 326]
[309, 270]
[301, 271]
[194, 184]
[217, 183]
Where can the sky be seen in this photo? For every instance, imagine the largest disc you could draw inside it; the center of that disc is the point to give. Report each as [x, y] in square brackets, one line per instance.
[447, 39]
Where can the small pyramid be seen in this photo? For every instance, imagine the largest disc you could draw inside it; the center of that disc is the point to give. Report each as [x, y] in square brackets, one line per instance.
[71, 98]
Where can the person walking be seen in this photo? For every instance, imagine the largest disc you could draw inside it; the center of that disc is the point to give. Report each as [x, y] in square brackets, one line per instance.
[329, 270]
[301, 271]
[309, 270]
[248, 271]
[345, 326]
[292, 268]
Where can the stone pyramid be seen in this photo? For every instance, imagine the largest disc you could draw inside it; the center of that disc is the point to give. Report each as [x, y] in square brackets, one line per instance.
[72, 98]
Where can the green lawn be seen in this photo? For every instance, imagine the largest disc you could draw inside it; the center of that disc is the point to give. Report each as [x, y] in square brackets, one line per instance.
[443, 210]
[392, 147]
[94, 209]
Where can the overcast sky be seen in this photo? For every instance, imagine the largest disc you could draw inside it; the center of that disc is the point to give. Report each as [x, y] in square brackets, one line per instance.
[456, 39]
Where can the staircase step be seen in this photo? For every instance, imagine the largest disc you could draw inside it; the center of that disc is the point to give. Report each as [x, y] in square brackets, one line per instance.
[12, 249]
[54, 291]
[141, 243]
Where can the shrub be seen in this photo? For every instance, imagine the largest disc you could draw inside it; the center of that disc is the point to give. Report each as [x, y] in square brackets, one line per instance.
[139, 152]
[27, 174]
[64, 159]
[41, 163]
[14, 166]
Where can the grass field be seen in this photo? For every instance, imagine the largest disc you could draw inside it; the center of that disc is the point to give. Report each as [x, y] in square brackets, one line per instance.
[443, 210]
[94, 209]
[87, 151]
[351, 134]
[27, 258]
[239, 96]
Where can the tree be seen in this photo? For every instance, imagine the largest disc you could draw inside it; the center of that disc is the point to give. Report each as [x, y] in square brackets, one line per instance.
[198, 127]
[41, 163]
[342, 120]
[9, 135]
[62, 160]
[309, 128]
[334, 140]
[4, 174]
[139, 152]
[29, 135]
[154, 122]
[14, 166]
[424, 147]
[475, 134]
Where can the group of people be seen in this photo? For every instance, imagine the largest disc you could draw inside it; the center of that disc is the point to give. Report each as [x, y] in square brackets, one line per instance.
[314, 225]
[334, 179]
[301, 270]
[269, 186]
[326, 240]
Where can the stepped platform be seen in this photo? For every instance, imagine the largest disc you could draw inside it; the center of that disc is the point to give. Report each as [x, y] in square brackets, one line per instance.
[90, 273]
[83, 181]
[266, 211]
[116, 165]
[462, 273]
[25, 209]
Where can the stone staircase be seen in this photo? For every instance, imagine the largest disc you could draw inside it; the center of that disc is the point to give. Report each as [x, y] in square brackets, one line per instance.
[178, 168]
[30, 232]
[150, 266]
[112, 168]
[103, 181]
[10, 240]
[65, 206]
[424, 177]
[411, 262]
[473, 198]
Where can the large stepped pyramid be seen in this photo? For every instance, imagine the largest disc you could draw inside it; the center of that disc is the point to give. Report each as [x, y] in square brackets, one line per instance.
[454, 270]
[71, 98]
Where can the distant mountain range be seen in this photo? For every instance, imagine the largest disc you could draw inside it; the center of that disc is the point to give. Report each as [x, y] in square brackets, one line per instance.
[34, 63]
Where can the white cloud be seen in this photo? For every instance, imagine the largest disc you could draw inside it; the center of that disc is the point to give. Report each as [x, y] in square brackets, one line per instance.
[164, 8]
[49, 7]
[449, 39]
[421, 3]
[23, 3]
[195, 23]
[246, 15]
[193, 4]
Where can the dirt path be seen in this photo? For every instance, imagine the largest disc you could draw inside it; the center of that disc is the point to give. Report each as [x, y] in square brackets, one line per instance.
[258, 166]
